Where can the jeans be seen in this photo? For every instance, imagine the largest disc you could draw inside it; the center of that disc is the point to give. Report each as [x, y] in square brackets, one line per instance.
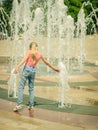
[27, 74]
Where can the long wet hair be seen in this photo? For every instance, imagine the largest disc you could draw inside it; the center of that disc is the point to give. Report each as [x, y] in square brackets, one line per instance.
[34, 53]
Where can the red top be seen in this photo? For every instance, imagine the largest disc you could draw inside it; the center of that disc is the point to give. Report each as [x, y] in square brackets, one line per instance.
[30, 62]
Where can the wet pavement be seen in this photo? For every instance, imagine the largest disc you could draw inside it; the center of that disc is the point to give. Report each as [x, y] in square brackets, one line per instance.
[41, 119]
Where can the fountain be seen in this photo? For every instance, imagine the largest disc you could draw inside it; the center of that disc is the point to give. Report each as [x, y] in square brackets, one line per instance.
[63, 86]
[19, 25]
[12, 85]
[82, 24]
[81, 32]
[51, 23]
[38, 26]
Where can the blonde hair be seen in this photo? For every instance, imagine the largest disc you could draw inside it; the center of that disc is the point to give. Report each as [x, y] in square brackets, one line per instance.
[34, 53]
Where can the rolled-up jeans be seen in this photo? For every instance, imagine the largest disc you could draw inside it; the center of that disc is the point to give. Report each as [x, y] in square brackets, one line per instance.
[27, 74]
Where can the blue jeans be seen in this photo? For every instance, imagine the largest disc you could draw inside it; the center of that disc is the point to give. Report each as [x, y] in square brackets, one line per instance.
[27, 74]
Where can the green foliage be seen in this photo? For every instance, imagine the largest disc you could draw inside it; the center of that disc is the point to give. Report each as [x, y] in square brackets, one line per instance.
[73, 7]
[75, 3]
[74, 10]
[94, 2]
[90, 30]
[88, 10]
[7, 5]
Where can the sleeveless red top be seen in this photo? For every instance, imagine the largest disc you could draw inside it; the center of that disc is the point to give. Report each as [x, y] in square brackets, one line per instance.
[30, 62]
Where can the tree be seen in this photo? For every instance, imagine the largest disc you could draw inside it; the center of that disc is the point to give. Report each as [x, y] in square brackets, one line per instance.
[7, 5]
[73, 7]
[91, 10]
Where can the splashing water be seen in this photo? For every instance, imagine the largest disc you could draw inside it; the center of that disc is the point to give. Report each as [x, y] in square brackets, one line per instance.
[63, 86]
[81, 32]
[12, 85]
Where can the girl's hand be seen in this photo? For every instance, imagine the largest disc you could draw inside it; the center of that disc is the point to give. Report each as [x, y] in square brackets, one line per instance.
[57, 70]
[47, 63]
[15, 70]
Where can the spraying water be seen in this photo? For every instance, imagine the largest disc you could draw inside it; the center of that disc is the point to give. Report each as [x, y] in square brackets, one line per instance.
[12, 85]
[63, 86]
[81, 32]
[50, 21]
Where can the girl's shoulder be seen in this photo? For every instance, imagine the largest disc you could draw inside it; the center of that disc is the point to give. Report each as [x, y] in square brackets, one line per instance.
[29, 52]
[39, 53]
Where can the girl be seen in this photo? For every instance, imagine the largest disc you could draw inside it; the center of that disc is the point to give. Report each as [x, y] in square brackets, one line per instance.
[31, 59]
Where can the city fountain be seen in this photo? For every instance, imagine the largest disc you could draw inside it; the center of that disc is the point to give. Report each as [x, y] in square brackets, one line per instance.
[51, 23]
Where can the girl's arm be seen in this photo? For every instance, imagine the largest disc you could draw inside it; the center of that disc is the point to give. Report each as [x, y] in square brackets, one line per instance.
[21, 62]
[47, 63]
